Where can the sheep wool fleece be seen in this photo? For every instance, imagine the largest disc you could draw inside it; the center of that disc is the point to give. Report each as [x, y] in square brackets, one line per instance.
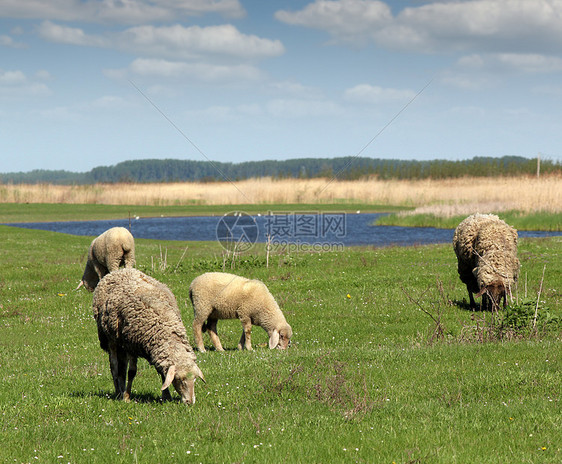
[486, 249]
[138, 316]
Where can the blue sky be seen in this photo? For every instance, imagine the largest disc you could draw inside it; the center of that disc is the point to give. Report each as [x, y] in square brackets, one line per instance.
[85, 83]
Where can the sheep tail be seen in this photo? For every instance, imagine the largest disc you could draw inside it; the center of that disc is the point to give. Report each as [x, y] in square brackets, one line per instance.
[204, 326]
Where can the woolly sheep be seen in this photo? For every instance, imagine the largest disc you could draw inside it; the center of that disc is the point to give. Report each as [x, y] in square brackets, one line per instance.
[107, 252]
[486, 249]
[137, 316]
[218, 295]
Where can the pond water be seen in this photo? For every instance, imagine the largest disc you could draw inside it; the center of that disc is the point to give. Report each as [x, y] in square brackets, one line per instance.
[285, 228]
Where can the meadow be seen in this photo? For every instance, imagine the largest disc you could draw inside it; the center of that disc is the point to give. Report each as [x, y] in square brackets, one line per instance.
[387, 362]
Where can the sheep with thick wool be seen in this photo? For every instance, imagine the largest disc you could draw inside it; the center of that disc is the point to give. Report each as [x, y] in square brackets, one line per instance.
[219, 295]
[137, 316]
[108, 251]
[486, 249]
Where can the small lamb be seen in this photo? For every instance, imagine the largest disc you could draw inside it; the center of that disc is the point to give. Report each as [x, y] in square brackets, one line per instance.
[219, 295]
[138, 316]
[115, 247]
[486, 249]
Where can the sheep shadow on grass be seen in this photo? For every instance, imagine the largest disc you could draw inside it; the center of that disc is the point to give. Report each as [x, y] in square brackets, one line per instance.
[465, 306]
[144, 398]
[212, 349]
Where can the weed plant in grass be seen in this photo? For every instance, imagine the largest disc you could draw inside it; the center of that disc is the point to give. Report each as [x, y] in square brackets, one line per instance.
[365, 380]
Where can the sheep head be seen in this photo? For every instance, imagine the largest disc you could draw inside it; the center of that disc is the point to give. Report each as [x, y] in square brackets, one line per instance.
[90, 278]
[281, 338]
[492, 295]
[183, 378]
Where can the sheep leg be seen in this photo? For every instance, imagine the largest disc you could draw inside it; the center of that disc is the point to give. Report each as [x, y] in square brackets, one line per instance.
[114, 366]
[212, 329]
[118, 365]
[472, 302]
[129, 259]
[242, 341]
[100, 269]
[246, 338]
[114, 261]
[130, 377]
[198, 334]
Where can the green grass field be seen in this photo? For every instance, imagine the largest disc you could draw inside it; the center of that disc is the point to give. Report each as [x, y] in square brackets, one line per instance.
[521, 221]
[41, 212]
[370, 377]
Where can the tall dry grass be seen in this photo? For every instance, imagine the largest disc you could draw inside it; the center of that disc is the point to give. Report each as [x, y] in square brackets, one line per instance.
[443, 197]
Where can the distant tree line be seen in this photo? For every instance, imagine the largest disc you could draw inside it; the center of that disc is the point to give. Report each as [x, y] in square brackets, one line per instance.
[348, 168]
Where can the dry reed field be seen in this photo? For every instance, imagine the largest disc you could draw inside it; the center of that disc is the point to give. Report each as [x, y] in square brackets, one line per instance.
[442, 197]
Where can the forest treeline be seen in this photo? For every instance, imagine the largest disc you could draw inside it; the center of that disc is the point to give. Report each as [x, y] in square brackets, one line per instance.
[345, 168]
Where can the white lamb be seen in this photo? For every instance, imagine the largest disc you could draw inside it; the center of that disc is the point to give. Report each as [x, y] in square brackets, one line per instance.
[219, 295]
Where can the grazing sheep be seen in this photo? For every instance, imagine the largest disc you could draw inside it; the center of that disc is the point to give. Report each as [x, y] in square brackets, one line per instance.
[218, 295]
[138, 316]
[486, 249]
[107, 252]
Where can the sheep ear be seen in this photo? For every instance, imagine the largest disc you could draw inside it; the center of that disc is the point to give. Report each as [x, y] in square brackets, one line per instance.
[169, 377]
[79, 285]
[481, 292]
[200, 375]
[274, 339]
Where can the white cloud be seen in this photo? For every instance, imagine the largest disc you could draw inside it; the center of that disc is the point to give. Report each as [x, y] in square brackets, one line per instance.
[474, 61]
[163, 68]
[295, 89]
[523, 26]
[12, 77]
[70, 35]
[60, 113]
[502, 63]
[201, 71]
[7, 41]
[175, 42]
[494, 25]
[186, 42]
[347, 20]
[225, 113]
[110, 101]
[365, 93]
[530, 63]
[43, 75]
[468, 81]
[118, 11]
[15, 83]
[117, 74]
